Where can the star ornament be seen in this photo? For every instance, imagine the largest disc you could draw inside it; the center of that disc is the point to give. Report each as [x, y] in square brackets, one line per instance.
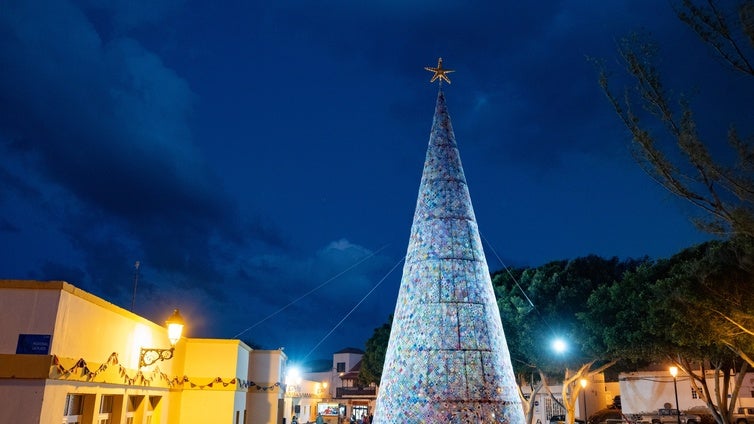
[440, 73]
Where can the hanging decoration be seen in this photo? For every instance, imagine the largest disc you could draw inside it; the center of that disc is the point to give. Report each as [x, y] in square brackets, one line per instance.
[81, 369]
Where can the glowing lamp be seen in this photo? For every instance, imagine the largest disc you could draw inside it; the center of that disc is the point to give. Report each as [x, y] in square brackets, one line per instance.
[151, 355]
[674, 371]
[559, 345]
[175, 327]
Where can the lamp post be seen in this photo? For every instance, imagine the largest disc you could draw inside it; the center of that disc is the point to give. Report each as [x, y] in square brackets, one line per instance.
[148, 356]
[674, 373]
[583, 386]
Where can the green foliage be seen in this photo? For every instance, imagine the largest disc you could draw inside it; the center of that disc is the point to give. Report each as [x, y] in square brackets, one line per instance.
[540, 304]
[693, 309]
[374, 354]
[677, 306]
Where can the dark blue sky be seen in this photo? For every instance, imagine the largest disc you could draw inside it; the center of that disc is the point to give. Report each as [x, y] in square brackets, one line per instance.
[248, 152]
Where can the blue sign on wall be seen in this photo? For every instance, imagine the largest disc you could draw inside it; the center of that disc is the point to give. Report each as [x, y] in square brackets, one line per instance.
[33, 344]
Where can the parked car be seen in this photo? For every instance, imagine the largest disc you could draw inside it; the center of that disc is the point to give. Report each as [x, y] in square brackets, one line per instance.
[609, 416]
[560, 419]
[669, 416]
[744, 416]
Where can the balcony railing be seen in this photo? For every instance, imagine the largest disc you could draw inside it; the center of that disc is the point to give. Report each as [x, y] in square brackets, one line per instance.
[345, 392]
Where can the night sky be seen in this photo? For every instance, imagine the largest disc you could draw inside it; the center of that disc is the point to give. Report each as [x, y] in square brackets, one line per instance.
[262, 159]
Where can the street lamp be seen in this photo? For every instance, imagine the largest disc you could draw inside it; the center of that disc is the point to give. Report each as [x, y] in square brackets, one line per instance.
[149, 356]
[559, 346]
[583, 386]
[674, 373]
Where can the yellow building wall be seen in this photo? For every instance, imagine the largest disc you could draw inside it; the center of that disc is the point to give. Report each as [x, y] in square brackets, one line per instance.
[98, 328]
[207, 406]
[267, 366]
[214, 392]
[26, 311]
[266, 371]
[264, 408]
[22, 400]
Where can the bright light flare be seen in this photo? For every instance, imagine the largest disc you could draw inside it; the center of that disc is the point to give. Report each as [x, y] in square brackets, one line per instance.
[293, 376]
[559, 346]
[175, 327]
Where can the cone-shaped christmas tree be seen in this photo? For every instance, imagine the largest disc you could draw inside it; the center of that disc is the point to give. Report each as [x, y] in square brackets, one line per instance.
[447, 359]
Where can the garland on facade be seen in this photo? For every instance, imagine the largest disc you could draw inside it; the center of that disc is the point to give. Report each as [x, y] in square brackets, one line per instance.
[81, 368]
[263, 388]
[112, 360]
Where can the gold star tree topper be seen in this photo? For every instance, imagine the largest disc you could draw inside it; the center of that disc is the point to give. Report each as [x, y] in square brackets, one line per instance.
[440, 73]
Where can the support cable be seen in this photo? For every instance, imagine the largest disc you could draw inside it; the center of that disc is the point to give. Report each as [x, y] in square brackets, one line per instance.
[515, 280]
[354, 308]
[329, 280]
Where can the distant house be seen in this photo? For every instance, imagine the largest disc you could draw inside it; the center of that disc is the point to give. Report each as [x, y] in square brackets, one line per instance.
[597, 395]
[341, 376]
[648, 391]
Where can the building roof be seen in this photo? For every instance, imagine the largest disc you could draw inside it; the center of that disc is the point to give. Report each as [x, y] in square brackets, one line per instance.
[351, 350]
[317, 365]
[353, 373]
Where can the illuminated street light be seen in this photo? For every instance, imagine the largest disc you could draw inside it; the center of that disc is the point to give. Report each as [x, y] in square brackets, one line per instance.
[559, 345]
[293, 376]
[175, 327]
[148, 356]
[674, 373]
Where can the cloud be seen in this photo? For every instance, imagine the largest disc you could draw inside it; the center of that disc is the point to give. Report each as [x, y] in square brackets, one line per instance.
[105, 128]
[122, 15]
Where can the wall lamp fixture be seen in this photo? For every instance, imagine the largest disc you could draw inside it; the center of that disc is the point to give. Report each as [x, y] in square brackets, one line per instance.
[149, 356]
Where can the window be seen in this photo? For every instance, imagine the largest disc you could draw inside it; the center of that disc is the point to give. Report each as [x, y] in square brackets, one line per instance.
[340, 367]
[105, 410]
[359, 411]
[154, 402]
[694, 394]
[149, 411]
[132, 406]
[74, 407]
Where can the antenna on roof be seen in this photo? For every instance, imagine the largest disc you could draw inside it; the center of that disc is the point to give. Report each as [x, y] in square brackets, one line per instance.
[136, 283]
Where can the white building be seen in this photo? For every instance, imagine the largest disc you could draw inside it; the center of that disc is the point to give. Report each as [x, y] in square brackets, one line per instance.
[596, 395]
[648, 391]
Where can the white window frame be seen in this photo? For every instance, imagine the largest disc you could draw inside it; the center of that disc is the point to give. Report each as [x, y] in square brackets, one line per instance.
[68, 417]
[105, 415]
